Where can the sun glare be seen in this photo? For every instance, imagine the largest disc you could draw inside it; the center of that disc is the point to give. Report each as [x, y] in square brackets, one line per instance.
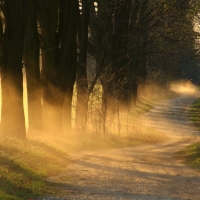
[183, 87]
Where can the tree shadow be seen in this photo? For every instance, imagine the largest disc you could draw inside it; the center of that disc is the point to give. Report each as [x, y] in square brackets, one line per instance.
[19, 186]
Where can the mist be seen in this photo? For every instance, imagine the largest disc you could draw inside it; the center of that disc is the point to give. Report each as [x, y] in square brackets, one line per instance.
[183, 86]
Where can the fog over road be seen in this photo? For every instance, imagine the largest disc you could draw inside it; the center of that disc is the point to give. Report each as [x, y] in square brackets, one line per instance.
[145, 172]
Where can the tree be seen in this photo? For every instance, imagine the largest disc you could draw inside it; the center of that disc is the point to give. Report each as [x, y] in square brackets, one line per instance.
[32, 66]
[81, 77]
[59, 57]
[12, 42]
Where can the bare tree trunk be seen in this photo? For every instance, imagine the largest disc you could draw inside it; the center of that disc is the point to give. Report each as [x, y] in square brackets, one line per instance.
[48, 19]
[59, 56]
[12, 113]
[120, 23]
[68, 61]
[81, 77]
[68, 110]
[31, 58]
[133, 95]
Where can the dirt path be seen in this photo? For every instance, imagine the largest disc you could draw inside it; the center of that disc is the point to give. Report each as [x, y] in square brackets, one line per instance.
[145, 172]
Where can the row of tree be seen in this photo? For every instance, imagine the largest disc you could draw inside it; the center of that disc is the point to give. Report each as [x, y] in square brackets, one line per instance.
[129, 40]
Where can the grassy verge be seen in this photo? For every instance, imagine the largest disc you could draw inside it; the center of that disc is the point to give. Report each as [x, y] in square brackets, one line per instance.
[194, 113]
[24, 167]
[191, 154]
[154, 94]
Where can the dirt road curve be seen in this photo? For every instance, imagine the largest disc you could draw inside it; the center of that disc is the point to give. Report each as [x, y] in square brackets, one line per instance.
[146, 172]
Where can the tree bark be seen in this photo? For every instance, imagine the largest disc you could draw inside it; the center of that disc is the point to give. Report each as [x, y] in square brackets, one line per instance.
[32, 67]
[68, 56]
[120, 51]
[12, 113]
[81, 76]
[58, 59]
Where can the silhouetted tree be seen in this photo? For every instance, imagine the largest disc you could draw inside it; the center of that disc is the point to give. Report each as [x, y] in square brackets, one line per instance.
[32, 67]
[12, 42]
[81, 77]
[58, 30]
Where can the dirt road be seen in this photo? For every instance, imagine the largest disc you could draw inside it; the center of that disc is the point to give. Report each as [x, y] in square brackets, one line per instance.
[145, 172]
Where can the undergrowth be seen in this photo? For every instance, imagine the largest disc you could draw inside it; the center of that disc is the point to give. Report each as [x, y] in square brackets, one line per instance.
[191, 154]
[194, 113]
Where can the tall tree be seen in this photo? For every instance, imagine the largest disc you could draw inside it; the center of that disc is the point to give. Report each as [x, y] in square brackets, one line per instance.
[109, 36]
[172, 38]
[81, 77]
[12, 42]
[58, 24]
[32, 67]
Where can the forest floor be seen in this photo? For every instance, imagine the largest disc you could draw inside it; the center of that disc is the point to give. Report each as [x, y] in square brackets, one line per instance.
[143, 172]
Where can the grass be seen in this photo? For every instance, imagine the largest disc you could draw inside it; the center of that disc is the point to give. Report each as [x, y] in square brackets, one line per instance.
[25, 165]
[194, 113]
[154, 94]
[191, 154]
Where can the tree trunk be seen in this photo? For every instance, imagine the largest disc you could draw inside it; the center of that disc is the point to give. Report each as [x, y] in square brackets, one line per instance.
[142, 73]
[134, 95]
[68, 61]
[12, 113]
[120, 51]
[68, 110]
[58, 58]
[32, 67]
[81, 77]
[52, 97]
